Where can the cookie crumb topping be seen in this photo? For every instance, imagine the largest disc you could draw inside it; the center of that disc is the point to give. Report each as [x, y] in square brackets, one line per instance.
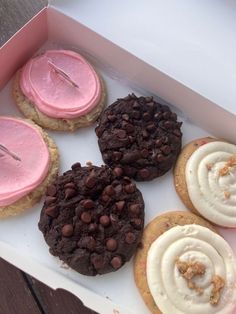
[209, 166]
[189, 270]
[229, 164]
[218, 285]
[226, 194]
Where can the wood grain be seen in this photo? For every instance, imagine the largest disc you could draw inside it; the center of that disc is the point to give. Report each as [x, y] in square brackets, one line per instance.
[15, 295]
[59, 301]
[15, 13]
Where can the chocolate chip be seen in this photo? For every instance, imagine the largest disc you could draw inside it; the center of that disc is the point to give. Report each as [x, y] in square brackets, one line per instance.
[151, 127]
[144, 173]
[158, 142]
[127, 179]
[70, 185]
[173, 116]
[76, 166]
[137, 222]
[86, 217]
[168, 124]
[90, 181]
[125, 117]
[118, 189]
[130, 156]
[51, 211]
[97, 261]
[67, 230]
[166, 149]
[69, 193]
[49, 200]
[105, 198]
[134, 209]
[117, 156]
[145, 134]
[118, 171]
[166, 115]
[160, 158]
[130, 237]
[158, 116]
[146, 116]
[129, 188]
[88, 243]
[109, 190]
[92, 227]
[51, 190]
[144, 153]
[121, 134]
[113, 218]
[120, 205]
[111, 245]
[129, 128]
[104, 220]
[111, 118]
[165, 139]
[177, 132]
[88, 204]
[116, 262]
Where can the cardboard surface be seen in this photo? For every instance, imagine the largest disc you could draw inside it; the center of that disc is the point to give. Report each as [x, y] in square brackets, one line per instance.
[123, 73]
[26, 248]
[192, 41]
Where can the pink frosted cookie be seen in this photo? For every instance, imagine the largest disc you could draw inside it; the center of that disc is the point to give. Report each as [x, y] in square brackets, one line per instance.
[59, 90]
[24, 181]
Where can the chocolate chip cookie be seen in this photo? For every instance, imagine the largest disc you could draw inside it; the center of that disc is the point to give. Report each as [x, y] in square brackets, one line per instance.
[93, 219]
[139, 135]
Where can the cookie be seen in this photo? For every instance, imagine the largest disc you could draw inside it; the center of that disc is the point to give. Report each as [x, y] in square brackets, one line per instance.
[184, 266]
[205, 176]
[59, 90]
[140, 136]
[23, 182]
[92, 219]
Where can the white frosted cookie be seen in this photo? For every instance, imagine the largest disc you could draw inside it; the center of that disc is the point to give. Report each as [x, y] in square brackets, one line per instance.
[192, 270]
[205, 179]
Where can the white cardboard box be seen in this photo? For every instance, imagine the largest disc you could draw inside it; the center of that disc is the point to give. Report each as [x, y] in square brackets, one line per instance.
[21, 243]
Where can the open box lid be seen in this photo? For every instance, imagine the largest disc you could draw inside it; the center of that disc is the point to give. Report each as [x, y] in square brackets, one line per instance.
[192, 41]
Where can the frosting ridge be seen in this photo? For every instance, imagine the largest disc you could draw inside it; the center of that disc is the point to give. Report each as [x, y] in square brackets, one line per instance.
[191, 243]
[52, 93]
[18, 178]
[211, 182]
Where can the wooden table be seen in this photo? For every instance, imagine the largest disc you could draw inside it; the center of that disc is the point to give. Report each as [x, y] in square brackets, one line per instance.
[20, 293]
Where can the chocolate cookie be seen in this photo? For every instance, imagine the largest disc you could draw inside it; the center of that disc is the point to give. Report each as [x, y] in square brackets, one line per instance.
[140, 136]
[93, 219]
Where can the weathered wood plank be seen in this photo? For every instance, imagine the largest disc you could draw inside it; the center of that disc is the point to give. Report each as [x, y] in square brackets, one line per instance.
[59, 301]
[15, 13]
[15, 295]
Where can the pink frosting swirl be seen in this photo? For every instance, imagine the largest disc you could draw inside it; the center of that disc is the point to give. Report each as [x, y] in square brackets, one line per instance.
[52, 93]
[18, 178]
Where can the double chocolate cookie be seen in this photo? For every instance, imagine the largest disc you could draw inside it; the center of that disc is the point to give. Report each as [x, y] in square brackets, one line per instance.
[140, 136]
[93, 219]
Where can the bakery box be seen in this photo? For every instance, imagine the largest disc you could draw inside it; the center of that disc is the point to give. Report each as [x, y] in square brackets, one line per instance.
[149, 48]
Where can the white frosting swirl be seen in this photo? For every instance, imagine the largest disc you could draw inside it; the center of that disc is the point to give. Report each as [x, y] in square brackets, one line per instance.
[191, 243]
[212, 194]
